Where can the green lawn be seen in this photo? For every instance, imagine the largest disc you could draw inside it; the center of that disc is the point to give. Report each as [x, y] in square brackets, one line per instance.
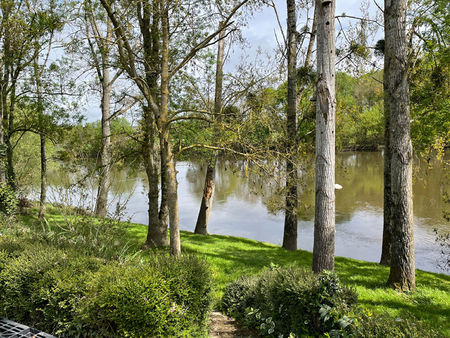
[232, 257]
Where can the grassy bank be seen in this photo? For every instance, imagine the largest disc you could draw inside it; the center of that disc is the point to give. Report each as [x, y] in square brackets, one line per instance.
[232, 257]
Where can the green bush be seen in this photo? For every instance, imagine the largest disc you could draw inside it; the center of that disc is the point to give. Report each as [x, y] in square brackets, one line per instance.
[67, 293]
[290, 301]
[8, 200]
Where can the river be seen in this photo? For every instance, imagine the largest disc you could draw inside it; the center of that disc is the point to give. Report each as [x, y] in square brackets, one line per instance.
[244, 207]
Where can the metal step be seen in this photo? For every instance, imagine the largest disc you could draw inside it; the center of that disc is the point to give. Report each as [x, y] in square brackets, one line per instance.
[10, 329]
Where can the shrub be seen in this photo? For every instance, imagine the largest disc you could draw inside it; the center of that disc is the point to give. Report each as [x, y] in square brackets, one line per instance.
[67, 293]
[34, 284]
[286, 301]
[8, 200]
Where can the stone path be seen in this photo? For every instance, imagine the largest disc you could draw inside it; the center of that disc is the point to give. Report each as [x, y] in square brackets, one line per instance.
[221, 326]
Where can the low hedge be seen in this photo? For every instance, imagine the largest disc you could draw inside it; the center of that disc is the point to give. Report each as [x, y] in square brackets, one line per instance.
[290, 301]
[294, 302]
[66, 293]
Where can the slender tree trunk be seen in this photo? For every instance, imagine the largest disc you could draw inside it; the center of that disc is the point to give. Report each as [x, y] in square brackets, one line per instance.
[101, 206]
[387, 208]
[11, 174]
[201, 226]
[402, 273]
[167, 158]
[290, 214]
[105, 156]
[40, 107]
[43, 195]
[324, 221]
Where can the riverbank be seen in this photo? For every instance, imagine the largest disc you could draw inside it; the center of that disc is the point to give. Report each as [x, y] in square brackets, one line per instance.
[233, 257]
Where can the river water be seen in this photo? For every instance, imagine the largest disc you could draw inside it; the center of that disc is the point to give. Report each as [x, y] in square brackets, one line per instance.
[244, 207]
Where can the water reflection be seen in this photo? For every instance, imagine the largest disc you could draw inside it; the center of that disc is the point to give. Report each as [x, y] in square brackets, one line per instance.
[241, 205]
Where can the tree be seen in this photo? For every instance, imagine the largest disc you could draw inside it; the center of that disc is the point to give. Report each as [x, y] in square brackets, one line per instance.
[290, 215]
[324, 221]
[201, 227]
[99, 35]
[162, 61]
[396, 66]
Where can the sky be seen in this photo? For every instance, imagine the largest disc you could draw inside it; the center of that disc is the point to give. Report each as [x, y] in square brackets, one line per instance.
[260, 36]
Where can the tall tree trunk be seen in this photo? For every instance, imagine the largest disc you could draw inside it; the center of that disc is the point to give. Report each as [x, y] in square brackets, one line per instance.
[387, 207]
[157, 235]
[101, 206]
[11, 174]
[105, 156]
[402, 272]
[290, 213]
[43, 195]
[40, 107]
[201, 226]
[324, 221]
[167, 158]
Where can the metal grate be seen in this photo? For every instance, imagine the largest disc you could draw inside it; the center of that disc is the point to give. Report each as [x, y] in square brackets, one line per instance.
[10, 329]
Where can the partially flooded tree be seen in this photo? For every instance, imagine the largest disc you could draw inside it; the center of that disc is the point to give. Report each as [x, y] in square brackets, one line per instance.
[201, 227]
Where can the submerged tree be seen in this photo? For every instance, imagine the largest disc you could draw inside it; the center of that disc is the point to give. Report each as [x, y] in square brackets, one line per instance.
[324, 221]
[201, 227]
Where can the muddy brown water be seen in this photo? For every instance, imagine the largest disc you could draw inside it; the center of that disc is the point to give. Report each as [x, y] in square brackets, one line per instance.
[247, 206]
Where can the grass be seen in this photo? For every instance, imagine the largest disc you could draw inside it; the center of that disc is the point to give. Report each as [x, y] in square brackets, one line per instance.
[232, 257]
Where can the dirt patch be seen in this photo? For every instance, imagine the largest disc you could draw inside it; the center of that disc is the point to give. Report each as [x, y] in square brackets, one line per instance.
[221, 326]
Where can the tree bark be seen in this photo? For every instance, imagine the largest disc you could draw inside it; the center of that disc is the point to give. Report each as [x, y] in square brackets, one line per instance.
[167, 158]
[43, 194]
[402, 272]
[324, 221]
[201, 226]
[40, 108]
[157, 234]
[290, 214]
[101, 206]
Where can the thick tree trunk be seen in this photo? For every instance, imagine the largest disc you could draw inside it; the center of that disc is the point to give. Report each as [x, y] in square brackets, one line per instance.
[167, 158]
[201, 226]
[402, 273]
[43, 195]
[324, 221]
[387, 208]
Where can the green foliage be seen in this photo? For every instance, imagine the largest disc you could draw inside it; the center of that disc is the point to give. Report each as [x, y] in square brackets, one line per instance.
[99, 237]
[68, 293]
[360, 111]
[8, 200]
[365, 324]
[286, 301]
